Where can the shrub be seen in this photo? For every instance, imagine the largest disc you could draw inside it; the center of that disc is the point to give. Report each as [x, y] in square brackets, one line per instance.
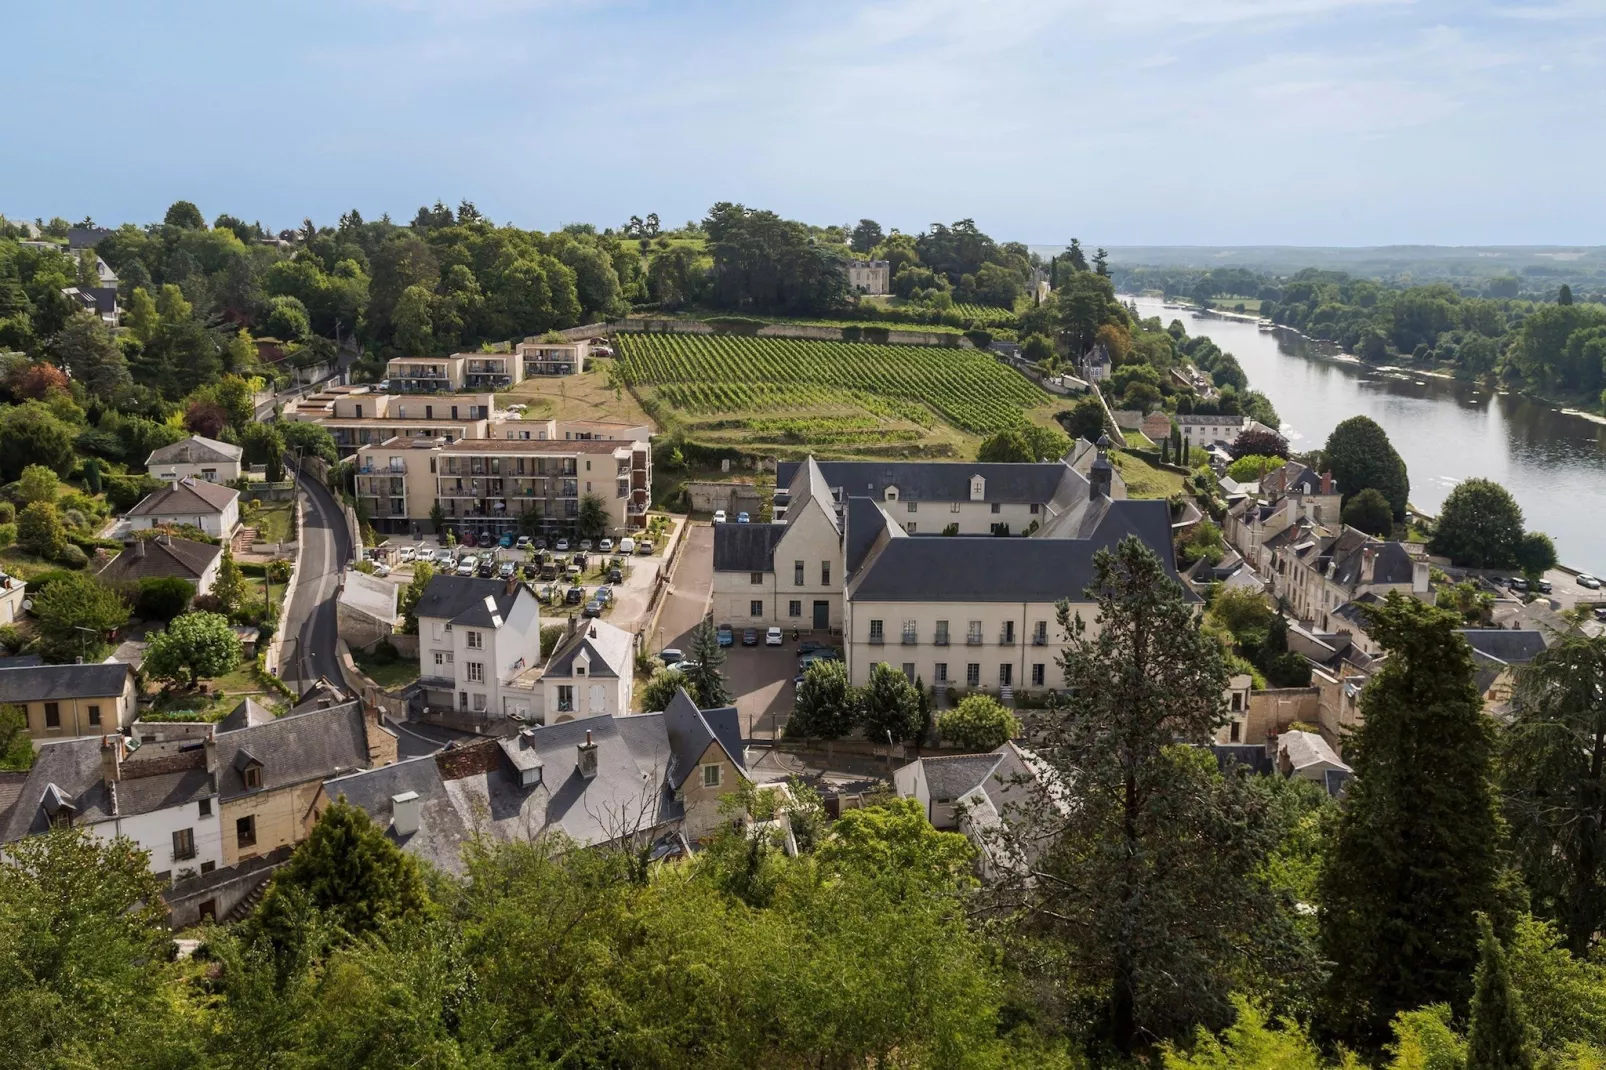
[551, 636]
[8, 535]
[11, 638]
[40, 531]
[8, 513]
[162, 597]
[978, 723]
[72, 557]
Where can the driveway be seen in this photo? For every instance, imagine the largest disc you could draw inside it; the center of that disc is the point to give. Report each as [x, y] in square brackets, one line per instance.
[690, 587]
[761, 679]
[309, 624]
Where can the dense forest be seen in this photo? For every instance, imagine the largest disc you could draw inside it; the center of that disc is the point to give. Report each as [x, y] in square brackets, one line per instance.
[1528, 332]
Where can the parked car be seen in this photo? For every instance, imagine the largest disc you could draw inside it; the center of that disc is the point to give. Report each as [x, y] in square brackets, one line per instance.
[574, 595]
[487, 569]
[572, 571]
[1544, 586]
[627, 545]
[506, 541]
[381, 569]
[811, 646]
[806, 660]
[644, 546]
[743, 518]
[592, 608]
[616, 575]
[581, 560]
[726, 637]
[563, 545]
[605, 546]
[749, 636]
[1519, 584]
[522, 542]
[719, 516]
[540, 543]
[773, 637]
[605, 595]
[1586, 580]
[1600, 612]
[544, 592]
[445, 557]
[508, 570]
[671, 655]
[585, 544]
[407, 554]
[531, 570]
[465, 567]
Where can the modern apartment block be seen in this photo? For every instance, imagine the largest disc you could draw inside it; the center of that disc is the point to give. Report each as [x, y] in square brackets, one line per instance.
[552, 358]
[357, 417]
[485, 371]
[491, 485]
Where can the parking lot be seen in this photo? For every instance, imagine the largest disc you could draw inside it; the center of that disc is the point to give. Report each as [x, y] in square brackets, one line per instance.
[761, 679]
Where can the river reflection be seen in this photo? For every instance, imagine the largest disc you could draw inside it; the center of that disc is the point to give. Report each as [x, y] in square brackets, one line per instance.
[1554, 464]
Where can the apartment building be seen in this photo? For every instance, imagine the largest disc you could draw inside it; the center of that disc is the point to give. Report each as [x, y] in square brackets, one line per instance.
[493, 485]
[359, 417]
[552, 358]
[460, 371]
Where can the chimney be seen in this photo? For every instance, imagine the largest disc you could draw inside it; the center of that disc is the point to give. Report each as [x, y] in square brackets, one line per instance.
[588, 757]
[1327, 482]
[111, 758]
[512, 582]
[1101, 475]
[136, 547]
[1368, 565]
[211, 751]
[404, 813]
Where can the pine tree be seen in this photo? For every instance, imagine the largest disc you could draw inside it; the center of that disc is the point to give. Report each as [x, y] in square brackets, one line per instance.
[705, 682]
[229, 587]
[1416, 854]
[1498, 1039]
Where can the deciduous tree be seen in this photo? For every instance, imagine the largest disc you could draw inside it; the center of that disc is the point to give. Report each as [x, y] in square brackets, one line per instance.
[194, 645]
[1480, 526]
[828, 706]
[978, 723]
[1369, 511]
[1359, 455]
[890, 706]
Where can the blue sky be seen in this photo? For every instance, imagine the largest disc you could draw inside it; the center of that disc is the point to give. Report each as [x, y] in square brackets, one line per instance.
[1298, 122]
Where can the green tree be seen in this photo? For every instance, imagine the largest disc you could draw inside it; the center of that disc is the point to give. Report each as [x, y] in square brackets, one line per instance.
[1037, 348]
[706, 680]
[896, 837]
[1251, 466]
[1370, 512]
[1553, 780]
[593, 520]
[827, 706]
[1085, 419]
[1536, 554]
[423, 572]
[978, 723]
[86, 348]
[1153, 883]
[1414, 857]
[1359, 455]
[37, 484]
[1005, 447]
[75, 614]
[1253, 1042]
[1480, 526]
[194, 646]
[1086, 302]
[287, 320]
[309, 439]
[184, 215]
[163, 597]
[16, 747]
[262, 444]
[41, 532]
[890, 706]
[1498, 1037]
[1564, 296]
[229, 587]
[31, 433]
[866, 236]
[349, 871]
[660, 688]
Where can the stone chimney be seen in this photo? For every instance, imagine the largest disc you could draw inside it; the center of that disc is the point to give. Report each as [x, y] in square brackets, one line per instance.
[1368, 565]
[1327, 482]
[1101, 476]
[404, 813]
[111, 758]
[588, 757]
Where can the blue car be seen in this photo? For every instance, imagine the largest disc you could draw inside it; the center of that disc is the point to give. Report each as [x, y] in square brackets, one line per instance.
[743, 518]
[506, 541]
[725, 636]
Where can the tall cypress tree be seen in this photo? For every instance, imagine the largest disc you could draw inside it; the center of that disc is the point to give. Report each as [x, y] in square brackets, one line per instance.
[1498, 1039]
[1417, 851]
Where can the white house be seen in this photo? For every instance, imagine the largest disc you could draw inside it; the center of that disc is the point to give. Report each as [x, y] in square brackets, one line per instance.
[165, 556]
[12, 592]
[165, 802]
[476, 638]
[592, 672]
[196, 457]
[214, 509]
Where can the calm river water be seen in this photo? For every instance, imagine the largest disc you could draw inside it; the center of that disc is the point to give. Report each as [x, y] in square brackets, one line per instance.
[1554, 464]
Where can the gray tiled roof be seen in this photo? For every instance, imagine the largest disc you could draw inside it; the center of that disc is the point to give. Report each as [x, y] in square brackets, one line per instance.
[691, 730]
[248, 712]
[950, 776]
[71, 770]
[197, 449]
[49, 683]
[461, 600]
[1508, 646]
[943, 481]
[184, 558]
[294, 749]
[747, 547]
[866, 522]
[607, 646]
[186, 497]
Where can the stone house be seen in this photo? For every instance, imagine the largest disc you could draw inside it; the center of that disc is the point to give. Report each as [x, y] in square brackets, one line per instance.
[476, 639]
[68, 701]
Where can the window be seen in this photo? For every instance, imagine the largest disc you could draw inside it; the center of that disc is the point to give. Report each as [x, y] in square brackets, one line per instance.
[1237, 702]
[1037, 674]
[755, 608]
[973, 674]
[205, 808]
[1237, 731]
[1007, 636]
[794, 608]
[565, 698]
[183, 844]
[440, 658]
[797, 573]
[252, 775]
[207, 867]
[52, 715]
[914, 507]
[825, 573]
[876, 635]
[476, 672]
[479, 702]
[941, 638]
[1006, 674]
[939, 672]
[475, 641]
[755, 577]
[996, 508]
[909, 671]
[953, 507]
[1034, 508]
[94, 715]
[1040, 633]
[973, 634]
[245, 832]
[911, 528]
[711, 776]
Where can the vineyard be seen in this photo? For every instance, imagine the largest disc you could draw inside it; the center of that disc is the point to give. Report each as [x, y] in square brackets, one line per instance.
[987, 315]
[847, 394]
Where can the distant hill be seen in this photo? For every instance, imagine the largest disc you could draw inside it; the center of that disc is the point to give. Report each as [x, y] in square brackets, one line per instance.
[1377, 260]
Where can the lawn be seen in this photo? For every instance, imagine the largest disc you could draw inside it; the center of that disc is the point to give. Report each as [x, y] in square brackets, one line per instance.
[222, 695]
[587, 396]
[1230, 304]
[791, 396]
[389, 673]
[1143, 480]
[274, 521]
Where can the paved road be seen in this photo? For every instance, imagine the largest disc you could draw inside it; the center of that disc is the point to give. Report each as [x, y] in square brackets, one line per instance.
[690, 588]
[310, 627]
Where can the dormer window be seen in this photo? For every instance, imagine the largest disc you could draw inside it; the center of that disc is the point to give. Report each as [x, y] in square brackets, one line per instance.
[252, 775]
[978, 488]
[892, 494]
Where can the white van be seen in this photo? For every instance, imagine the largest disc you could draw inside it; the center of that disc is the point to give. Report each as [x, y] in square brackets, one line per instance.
[627, 545]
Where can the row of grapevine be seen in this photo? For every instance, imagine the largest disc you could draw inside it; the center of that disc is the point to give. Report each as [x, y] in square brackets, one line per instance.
[736, 373]
[986, 315]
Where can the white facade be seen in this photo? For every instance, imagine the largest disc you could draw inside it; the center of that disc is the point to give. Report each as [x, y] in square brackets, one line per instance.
[155, 831]
[220, 524]
[483, 661]
[987, 645]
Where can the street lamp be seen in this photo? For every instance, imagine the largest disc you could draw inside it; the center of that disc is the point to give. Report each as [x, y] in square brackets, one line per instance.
[83, 644]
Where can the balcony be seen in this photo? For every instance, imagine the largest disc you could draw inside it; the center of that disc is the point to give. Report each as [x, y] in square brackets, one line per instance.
[1006, 640]
[910, 639]
[973, 640]
[1039, 640]
[877, 640]
[940, 640]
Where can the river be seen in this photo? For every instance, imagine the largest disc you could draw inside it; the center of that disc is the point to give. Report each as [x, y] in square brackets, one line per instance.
[1553, 464]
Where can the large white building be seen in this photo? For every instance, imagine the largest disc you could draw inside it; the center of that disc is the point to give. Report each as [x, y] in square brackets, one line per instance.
[476, 638]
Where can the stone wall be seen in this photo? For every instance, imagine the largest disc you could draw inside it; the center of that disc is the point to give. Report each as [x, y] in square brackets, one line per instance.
[910, 336]
[732, 497]
[1273, 711]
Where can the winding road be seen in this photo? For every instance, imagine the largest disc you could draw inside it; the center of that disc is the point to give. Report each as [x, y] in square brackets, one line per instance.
[310, 630]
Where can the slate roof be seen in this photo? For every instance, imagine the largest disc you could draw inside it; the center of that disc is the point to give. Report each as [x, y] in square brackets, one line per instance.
[248, 712]
[690, 732]
[197, 449]
[810, 482]
[901, 568]
[293, 749]
[186, 497]
[488, 797]
[944, 481]
[184, 558]
[866, 522]
[949, 777]
[462, 600]
[1506, 646]
[1251, 755]
[20, 661]
[747, 547]
[607, 647]
[50, 683]
[1392, 563]
[70, 771]
[371, 595]
[1305, 749]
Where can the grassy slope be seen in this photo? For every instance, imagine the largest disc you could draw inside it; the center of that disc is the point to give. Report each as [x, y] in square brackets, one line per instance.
[1143, 480]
